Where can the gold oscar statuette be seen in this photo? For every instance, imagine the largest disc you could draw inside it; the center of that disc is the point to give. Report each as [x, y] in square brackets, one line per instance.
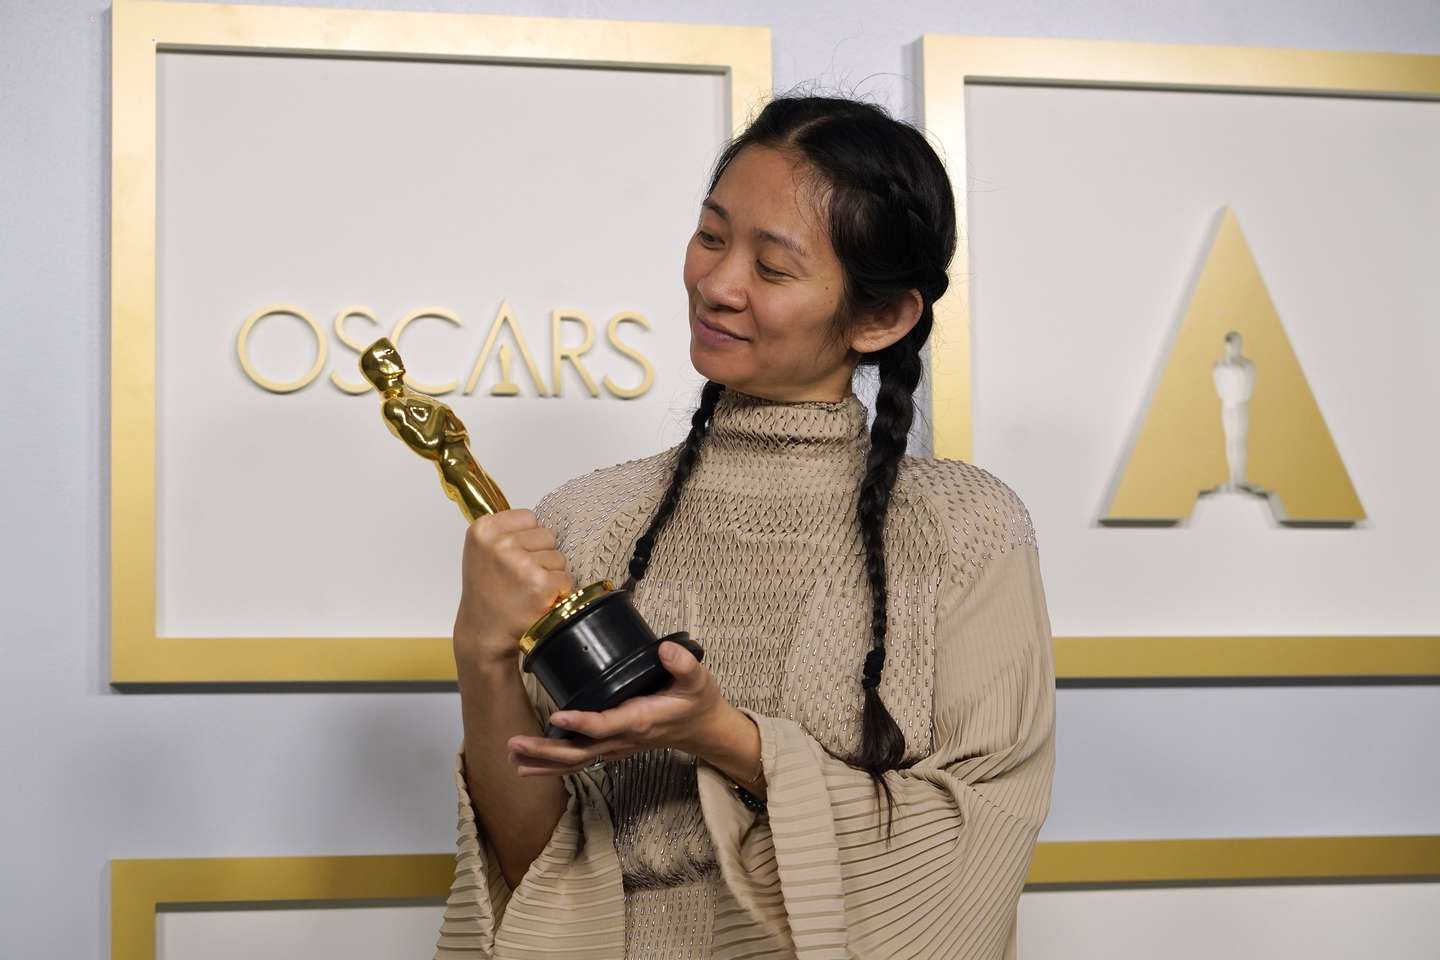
[592, 649]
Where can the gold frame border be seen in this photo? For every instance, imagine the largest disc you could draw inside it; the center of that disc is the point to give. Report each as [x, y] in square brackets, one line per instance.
[142, 28]
[139, 888]
[947, 64]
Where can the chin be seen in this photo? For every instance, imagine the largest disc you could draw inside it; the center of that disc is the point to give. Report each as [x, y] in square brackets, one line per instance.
[704, 363]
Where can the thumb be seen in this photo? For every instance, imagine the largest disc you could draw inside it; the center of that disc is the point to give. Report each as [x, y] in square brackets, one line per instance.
[680, 662]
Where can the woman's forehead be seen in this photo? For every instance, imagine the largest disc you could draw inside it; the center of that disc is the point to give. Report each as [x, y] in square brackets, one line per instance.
[769, 193]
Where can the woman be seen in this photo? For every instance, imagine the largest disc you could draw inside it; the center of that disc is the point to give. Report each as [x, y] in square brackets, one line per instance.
[862, 762]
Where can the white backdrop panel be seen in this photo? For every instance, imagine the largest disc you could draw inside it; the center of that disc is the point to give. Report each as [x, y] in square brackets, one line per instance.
[1089, 215]
[329, 933]
[1340, 922]
[1198, 762]
[399, 185]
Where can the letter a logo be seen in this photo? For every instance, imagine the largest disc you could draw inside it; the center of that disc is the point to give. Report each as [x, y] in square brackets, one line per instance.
[1231, 413]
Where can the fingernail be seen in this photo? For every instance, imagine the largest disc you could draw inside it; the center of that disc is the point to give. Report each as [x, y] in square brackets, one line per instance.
[560, 719]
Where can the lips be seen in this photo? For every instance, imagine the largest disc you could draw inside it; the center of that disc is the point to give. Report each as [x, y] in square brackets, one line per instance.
[716, 327]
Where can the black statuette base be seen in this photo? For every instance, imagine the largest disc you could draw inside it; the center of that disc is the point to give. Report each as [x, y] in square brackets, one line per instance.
[602, 657]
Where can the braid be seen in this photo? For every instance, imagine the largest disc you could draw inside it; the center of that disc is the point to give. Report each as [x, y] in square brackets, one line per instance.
[882, 744]
[684, 463]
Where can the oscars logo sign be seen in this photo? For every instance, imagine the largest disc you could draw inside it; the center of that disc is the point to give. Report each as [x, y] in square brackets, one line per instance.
[1265, 438]
[506, 385]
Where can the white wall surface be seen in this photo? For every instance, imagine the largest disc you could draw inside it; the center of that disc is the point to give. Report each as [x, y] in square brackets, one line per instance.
[355, 933]
[1332, 922]
[94, 775]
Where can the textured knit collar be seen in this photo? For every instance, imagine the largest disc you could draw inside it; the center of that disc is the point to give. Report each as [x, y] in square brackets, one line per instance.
[816, 439]
[750, 420]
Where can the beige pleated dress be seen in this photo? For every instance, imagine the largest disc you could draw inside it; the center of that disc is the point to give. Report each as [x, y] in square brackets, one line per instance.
[656, 857]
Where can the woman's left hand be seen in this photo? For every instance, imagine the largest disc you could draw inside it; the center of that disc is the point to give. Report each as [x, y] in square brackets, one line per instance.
[686, 715]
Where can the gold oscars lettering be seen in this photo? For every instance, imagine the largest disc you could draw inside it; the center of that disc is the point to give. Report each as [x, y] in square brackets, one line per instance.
[592, 649]
[504, 354]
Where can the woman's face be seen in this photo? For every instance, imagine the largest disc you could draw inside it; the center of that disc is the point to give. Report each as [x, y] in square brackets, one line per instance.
[761, 268]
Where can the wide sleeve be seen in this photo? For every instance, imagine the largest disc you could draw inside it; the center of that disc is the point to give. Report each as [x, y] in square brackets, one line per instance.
[570, 903]
[816, 876]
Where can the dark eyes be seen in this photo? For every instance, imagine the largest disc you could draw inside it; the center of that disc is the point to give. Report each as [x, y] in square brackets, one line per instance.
[764, 268]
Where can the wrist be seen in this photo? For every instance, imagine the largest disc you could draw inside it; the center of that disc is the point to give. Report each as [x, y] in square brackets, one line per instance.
[730, 742]
[712, 732]
[485, 661]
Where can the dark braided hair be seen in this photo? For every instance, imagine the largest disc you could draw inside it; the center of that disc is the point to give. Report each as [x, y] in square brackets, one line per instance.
[892, 225]
[684, 463]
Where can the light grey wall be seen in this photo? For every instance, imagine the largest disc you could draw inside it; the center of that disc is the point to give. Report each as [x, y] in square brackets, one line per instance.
[92, 775]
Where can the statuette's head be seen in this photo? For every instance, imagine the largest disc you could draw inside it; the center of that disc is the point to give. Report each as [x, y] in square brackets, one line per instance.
[381, 365]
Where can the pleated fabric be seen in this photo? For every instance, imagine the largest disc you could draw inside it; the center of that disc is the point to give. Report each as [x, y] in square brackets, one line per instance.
[763, 563]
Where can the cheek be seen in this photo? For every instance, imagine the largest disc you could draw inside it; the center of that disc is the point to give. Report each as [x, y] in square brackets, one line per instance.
[791, 321]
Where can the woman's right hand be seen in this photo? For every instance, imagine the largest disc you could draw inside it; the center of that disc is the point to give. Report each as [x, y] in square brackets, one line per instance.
[511, 574]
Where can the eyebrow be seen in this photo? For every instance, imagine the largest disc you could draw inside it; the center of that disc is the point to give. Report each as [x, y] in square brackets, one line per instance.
[784, 241]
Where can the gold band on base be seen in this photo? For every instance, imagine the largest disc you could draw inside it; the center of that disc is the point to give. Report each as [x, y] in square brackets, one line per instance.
[563, 610]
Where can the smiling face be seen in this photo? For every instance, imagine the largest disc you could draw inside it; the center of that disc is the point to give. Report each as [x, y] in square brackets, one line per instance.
[760, 266]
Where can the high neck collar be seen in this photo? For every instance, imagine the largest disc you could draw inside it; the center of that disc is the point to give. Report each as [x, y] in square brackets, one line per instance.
[751, 420]
[816, 437]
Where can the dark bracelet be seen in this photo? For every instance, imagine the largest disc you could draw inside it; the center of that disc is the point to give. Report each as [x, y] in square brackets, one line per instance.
[751, 801]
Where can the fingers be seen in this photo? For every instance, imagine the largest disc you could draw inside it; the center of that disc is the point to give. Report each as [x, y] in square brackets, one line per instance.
[559, 583]
[545, 750]
[543, 755]
[506, 521]
[639, 718]
[545, 770]
[516, 535]
[512, 572]
[551, 560]
[531, 539]
[688, 672]
[491, 536]
[631, 719]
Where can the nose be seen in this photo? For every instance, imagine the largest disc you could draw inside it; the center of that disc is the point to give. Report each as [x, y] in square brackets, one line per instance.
[722, 287]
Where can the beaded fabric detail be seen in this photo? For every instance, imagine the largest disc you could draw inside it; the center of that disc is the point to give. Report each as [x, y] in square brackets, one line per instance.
[764, 564]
